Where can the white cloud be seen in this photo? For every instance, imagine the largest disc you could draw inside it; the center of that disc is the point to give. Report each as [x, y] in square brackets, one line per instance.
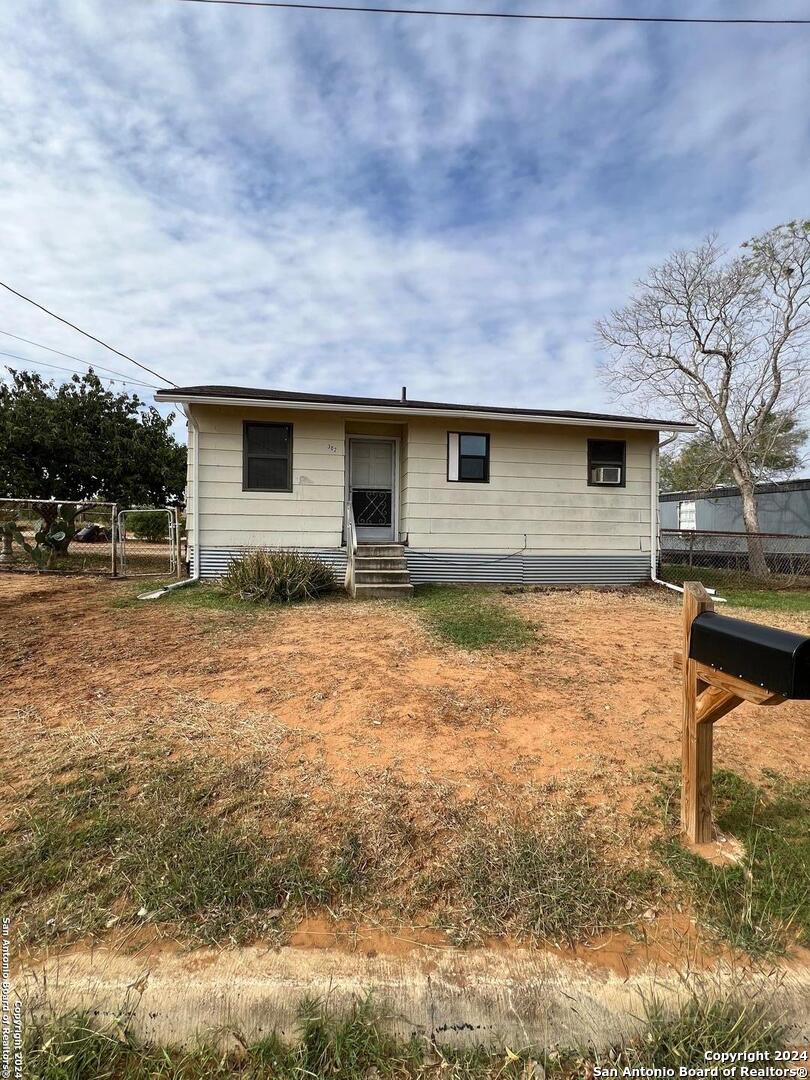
[347, 203]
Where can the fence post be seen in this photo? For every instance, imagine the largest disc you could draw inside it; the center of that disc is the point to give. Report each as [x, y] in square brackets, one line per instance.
[114, 535]
[7, 554]
[696, 739]
[178, 566]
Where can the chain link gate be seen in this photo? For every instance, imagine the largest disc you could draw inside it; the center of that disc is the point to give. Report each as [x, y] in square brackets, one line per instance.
[157, 552]
[81, 536]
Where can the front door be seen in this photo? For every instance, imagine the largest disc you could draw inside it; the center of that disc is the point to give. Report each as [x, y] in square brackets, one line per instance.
[371, 483]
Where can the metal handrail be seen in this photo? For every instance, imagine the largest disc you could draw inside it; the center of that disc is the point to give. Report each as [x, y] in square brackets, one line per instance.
[351, 528]
[351, 545]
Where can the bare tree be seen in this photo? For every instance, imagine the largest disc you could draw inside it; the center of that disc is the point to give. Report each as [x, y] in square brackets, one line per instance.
[724, 341]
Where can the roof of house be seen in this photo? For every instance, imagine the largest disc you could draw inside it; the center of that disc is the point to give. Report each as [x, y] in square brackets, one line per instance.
[731, 491]
[258, 397]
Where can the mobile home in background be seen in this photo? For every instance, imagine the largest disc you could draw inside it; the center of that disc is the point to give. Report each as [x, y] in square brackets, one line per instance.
[706, 528]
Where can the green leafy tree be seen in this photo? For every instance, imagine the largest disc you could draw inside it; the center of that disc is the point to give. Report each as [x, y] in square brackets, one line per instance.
[699, 465]
[76, 443]
[148, 525]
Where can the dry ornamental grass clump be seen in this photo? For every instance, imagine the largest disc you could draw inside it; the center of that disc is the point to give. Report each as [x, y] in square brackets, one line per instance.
[277, 575]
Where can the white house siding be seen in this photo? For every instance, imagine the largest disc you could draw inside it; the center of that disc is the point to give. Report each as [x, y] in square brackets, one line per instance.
[538, 498]
[310, 516]
[536, 520]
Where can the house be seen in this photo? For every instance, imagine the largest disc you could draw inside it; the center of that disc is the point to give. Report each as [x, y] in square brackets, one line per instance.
[426, 491]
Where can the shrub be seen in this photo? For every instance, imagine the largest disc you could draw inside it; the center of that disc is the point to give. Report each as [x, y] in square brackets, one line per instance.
[277, 575]
[148, 524]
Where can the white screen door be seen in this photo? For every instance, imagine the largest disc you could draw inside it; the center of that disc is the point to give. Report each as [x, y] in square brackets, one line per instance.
[371, 482]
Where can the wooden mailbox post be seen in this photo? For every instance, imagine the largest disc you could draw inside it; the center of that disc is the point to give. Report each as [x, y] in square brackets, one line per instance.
[724, 662]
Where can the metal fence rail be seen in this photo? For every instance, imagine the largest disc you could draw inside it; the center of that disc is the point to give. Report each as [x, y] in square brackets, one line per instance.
[89, 537]
[787, 556]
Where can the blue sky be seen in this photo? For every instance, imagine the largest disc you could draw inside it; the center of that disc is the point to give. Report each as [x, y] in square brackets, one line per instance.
[347, 203]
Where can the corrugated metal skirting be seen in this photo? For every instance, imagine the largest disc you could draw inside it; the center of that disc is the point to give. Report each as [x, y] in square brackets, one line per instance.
[446, 566]
[215, 561]
[427, 566]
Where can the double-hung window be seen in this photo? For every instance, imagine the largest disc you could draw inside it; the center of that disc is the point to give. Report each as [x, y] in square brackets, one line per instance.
[267, 457]
[606, 462]
[467, 457]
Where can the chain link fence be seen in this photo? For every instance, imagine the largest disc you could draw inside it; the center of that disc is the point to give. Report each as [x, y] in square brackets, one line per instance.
[725, 555]
[82, 537]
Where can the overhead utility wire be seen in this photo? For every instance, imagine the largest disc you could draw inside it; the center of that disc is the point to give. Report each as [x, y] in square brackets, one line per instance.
[540, 17]
[70, 356]
[57, 367]
[92, 337]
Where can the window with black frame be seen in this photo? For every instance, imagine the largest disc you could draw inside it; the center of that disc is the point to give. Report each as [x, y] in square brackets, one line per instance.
[266, 457]
[606, 462]
[467, 457]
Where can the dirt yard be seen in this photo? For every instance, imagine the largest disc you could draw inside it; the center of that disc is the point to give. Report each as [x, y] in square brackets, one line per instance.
[347, 686]
[378, 767]
[210, 811]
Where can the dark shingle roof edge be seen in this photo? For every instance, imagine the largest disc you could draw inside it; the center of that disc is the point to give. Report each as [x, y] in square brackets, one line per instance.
[252, 394]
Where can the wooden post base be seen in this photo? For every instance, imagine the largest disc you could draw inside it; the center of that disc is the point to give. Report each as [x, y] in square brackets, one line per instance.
[707, 695]
[696, 739]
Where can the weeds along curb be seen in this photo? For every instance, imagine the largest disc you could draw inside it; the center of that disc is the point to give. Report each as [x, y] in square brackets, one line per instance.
[515, 998]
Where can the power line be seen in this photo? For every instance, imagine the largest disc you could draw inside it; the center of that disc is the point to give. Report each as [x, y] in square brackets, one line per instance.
[86, 334]
[70, 356]
[505, 14]
[72, 371]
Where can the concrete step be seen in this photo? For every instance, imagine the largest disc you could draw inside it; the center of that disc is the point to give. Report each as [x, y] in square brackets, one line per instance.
[382, 592]
[381, 577]
[379, 562]
[382, 550]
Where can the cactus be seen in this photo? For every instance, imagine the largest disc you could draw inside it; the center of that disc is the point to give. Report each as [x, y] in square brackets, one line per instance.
[47, 540]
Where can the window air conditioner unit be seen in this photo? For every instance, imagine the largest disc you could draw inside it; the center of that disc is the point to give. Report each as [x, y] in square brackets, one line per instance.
[607, 474]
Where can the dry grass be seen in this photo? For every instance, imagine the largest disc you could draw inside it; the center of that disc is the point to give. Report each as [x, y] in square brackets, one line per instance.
[116, 834]
[351, 763]
[762, 903]
[356, 1046]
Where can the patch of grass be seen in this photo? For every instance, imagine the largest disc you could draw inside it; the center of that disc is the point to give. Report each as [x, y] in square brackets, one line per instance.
[114, 846]
[791, 602]
[357, 1046]
[354, 1046]
[195, 597]
[220, 853]
[551, 878]
[199, 597]
[743, 590]
[764, 902]
[732, 1025]
[471, 618]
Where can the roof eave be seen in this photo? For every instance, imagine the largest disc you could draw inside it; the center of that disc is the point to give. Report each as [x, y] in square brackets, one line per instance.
[387, 410]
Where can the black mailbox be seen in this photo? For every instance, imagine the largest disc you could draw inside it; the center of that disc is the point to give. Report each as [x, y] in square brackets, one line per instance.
[775, 659]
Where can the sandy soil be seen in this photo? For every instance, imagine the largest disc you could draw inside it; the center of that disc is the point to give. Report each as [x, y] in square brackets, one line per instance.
[333, 693]
[347, 686]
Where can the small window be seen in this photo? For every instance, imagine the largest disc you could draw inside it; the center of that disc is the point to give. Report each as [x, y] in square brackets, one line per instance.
[687, 515]
[267, 457]
[606, 458]
[467, 457]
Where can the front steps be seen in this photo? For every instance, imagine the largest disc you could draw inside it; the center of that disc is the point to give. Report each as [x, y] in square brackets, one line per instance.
[380, 572]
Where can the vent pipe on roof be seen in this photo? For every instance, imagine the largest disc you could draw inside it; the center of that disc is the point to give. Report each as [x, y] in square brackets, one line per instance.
[404, 395]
